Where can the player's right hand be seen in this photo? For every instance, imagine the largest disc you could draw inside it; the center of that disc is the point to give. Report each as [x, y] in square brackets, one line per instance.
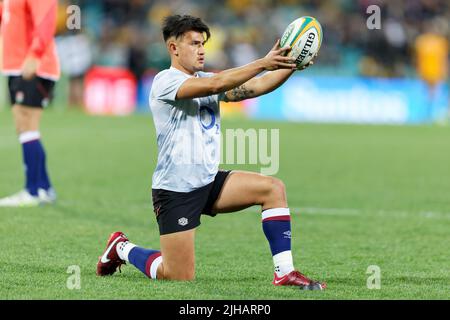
[276, 58]
[29, 68]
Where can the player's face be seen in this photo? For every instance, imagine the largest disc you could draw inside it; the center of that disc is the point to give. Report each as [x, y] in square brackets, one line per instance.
[191, 51]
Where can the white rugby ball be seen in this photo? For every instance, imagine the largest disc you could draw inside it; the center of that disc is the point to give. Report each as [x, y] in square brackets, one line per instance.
[304, 37]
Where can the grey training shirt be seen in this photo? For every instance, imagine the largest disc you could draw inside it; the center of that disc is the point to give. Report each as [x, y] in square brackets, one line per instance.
[188, 134]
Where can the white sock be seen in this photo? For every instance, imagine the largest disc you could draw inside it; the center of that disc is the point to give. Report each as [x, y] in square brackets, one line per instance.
[154, 267]
[28, 136]
[283, 263]
[123, 249]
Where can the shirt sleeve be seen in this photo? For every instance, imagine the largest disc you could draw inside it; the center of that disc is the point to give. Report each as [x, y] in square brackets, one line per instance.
[43, 13]
[167, 86]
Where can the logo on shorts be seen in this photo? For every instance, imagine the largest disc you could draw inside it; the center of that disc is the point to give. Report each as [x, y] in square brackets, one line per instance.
[287, 234]
[45, 102]
[20, 96]
[183, 221]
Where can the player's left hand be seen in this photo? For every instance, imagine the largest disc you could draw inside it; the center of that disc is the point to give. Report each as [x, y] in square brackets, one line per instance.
[29, 68]
[309, 63]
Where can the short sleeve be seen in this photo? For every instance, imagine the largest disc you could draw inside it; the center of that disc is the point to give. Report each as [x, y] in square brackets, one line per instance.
[166, 87]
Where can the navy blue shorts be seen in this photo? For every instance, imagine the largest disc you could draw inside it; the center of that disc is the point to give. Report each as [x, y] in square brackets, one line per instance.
[181, 211]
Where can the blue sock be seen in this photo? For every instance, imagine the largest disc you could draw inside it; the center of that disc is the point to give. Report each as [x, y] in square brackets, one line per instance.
[276, 224]
[43, 179]
[143, 259]
[31, 149]
[277, 228]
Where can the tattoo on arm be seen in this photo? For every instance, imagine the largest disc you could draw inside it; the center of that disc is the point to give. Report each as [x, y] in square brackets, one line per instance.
[240, 93]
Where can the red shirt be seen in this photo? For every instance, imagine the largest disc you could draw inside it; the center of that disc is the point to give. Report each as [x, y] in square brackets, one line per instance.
[28, 29]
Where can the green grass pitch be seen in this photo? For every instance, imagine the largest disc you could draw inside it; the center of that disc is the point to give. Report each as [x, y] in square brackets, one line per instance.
[360, 196]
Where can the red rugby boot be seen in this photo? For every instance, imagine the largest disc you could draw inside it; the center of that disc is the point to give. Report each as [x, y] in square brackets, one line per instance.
[295, 278]
[110, 261]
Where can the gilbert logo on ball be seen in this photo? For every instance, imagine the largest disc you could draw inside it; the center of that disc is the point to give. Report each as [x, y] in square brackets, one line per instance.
[304, 37]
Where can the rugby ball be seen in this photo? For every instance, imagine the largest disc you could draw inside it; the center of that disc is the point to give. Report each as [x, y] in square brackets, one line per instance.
[304, 37]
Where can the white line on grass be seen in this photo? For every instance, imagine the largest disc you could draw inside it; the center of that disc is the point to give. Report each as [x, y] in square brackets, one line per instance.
[343, 212]
[355, 212]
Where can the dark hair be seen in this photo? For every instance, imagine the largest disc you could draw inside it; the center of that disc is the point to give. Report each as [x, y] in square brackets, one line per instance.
[178, 25]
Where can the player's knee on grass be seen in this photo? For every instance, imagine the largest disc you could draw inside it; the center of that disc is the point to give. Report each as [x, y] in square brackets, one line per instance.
[178, 255]
[185, 273]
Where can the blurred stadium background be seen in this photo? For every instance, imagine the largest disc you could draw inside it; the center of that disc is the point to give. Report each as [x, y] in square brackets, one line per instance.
[360, 194]
[395, 74]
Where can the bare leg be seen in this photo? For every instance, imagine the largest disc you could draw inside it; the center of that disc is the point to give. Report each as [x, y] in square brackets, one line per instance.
[245, 189]
[26, 118]
[177, 250]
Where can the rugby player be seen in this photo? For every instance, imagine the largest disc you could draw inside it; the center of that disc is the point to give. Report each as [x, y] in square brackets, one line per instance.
[187, 181]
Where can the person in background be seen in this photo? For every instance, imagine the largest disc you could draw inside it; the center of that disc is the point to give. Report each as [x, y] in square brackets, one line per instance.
[431, 49]
[31, 63]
